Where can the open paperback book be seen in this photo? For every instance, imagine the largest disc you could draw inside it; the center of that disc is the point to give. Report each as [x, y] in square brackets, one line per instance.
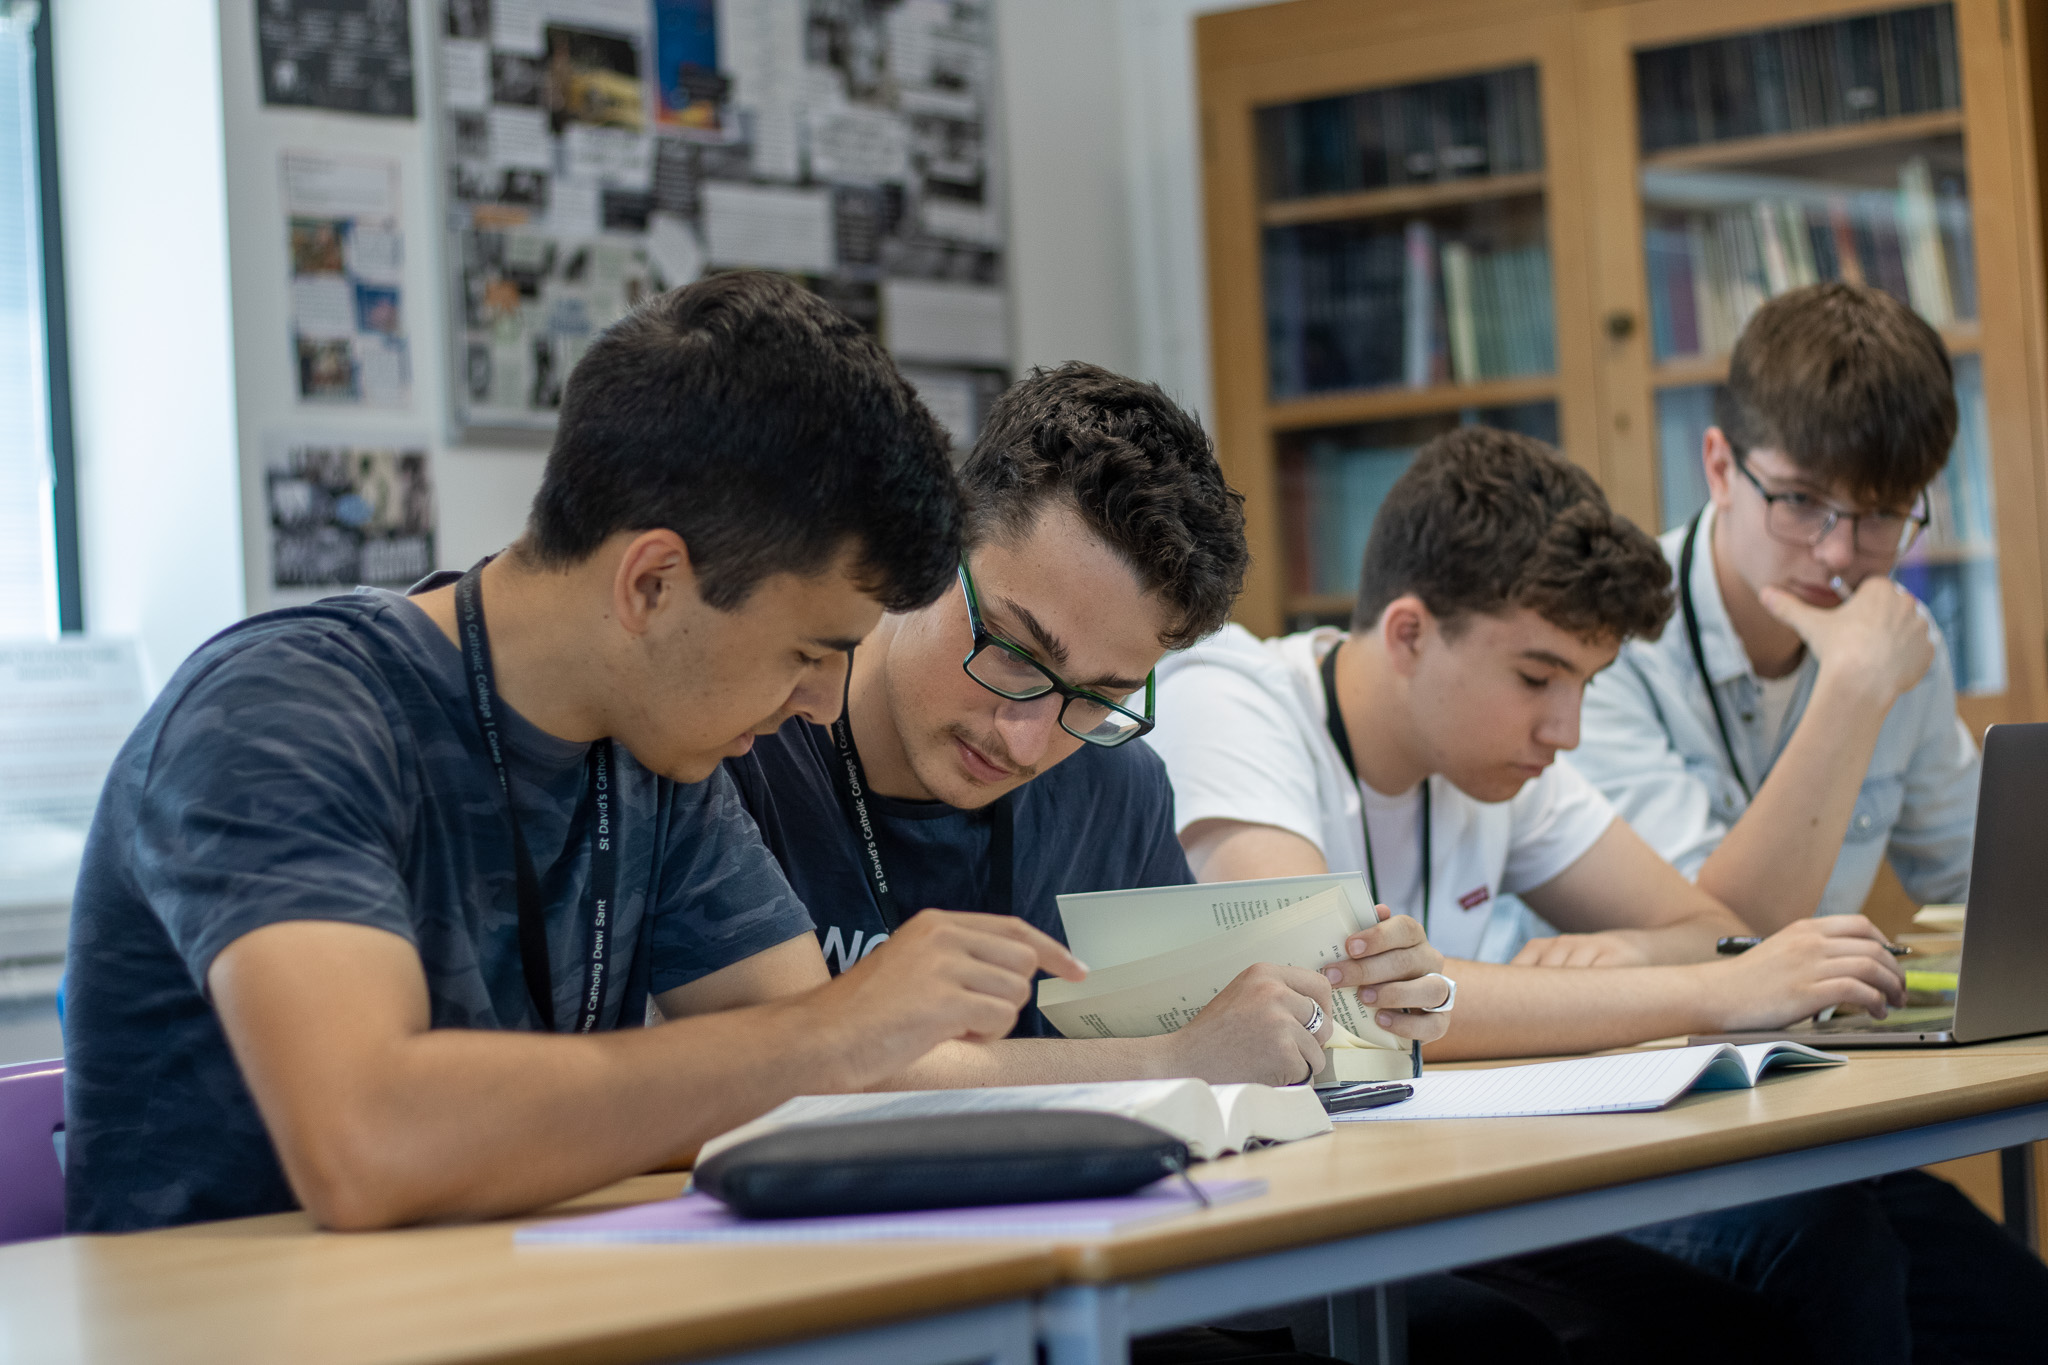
[1158, 955]
[1211, 1119]
[1626, 1082]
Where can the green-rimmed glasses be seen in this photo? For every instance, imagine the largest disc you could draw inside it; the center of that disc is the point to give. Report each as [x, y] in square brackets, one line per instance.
[1009, 671]
[1801, 519]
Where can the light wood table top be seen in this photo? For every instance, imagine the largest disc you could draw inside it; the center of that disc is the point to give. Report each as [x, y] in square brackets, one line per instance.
[275, 1289]
[1367, 1177]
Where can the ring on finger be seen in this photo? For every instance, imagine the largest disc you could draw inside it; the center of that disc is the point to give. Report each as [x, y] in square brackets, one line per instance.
[1315, 1016]
[1450, 994]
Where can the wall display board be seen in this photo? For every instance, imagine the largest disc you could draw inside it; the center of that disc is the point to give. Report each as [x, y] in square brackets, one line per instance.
[597, 151]
[343, 513]
[347, 257]
[351, 55]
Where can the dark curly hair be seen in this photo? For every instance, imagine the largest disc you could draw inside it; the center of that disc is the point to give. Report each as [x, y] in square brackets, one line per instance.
[1487, 521]
[1850, 385]
[1140, 472]
[765, 428]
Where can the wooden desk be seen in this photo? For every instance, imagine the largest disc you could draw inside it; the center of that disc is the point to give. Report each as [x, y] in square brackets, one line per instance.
[274, 1289]
[1382, 1202]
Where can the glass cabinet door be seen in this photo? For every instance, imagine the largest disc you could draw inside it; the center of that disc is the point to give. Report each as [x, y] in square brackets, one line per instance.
[1822, 151]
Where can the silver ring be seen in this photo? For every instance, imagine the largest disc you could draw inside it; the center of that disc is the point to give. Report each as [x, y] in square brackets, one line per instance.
[1315, 1018]
[1450, 994]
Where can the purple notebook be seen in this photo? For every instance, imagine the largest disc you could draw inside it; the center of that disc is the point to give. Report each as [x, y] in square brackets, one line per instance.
[700, 1218]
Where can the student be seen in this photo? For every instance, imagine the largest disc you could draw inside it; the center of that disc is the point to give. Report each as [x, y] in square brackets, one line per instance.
[991, 733]
[1496, 583]
[1801, 726]
[1011, 713]
[315, 955]
[1788, 737]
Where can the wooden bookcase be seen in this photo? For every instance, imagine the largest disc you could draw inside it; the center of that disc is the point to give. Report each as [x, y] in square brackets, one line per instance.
[1323, 378]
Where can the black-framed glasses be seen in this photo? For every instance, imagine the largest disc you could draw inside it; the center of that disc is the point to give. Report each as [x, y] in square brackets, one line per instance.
[1800, 519]
[1009, 671]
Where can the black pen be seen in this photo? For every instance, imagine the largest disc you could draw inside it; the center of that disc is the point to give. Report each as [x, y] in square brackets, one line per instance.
[1742, 943]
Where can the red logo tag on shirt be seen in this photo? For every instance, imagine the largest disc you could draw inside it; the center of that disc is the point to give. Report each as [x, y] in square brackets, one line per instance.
[1476, 897]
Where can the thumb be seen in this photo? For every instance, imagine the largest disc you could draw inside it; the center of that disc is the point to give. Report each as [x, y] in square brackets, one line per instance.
[1787, 608]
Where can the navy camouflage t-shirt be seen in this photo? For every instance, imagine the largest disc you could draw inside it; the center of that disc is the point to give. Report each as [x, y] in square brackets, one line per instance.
[323, 763]
[1100, 820]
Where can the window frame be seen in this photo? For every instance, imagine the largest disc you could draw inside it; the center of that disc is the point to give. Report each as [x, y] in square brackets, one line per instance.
[56, 335]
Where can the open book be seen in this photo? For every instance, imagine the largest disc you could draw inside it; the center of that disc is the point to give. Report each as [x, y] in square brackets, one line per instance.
[1157, 956]
[1210, 1119]
[1628, 1081]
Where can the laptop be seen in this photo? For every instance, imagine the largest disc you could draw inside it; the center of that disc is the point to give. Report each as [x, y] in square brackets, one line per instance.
[2002, 980]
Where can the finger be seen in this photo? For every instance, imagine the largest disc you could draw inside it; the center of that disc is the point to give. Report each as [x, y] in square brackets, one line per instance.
[1042, 949]
[1303, 982]
[1532, 953]
[1420, 1028]
[1426, 994]
[1405, 965]
[1786, 607]
[1883, 975]
[1844, 992]
[1400, 931]
[1844, 926]
[980, 1019]
[1013, 988]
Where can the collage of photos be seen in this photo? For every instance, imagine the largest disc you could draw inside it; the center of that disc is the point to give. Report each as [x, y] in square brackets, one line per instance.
[342, 515]
[347, 257]
[597, 151]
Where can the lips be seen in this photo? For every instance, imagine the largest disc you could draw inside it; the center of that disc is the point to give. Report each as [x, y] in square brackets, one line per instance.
[979, 766]
[1815, 594]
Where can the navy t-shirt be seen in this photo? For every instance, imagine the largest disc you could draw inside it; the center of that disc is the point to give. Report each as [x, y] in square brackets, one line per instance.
[323, 763]
[1101, 820]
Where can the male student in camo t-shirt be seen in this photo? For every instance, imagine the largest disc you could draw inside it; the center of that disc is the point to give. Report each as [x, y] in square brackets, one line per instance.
[380, 888]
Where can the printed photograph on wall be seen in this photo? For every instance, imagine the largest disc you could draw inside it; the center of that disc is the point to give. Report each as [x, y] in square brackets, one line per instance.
[343, 514]
[347, 256]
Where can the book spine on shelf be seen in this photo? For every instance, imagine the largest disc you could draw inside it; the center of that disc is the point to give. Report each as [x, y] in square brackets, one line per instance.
[1457, 268]
[1920, 241]
[1545, 318]
[1295, 534]
[1326, 489]
[1952, 212]
[1419, 304]
[1842, 229]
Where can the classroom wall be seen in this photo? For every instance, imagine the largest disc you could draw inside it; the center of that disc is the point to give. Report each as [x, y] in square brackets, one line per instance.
[181, 310]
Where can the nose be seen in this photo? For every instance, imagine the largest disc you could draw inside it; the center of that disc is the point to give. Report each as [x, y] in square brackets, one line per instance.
[1028, 728]
[820, 690]
[1558, 726]
[1837, 549]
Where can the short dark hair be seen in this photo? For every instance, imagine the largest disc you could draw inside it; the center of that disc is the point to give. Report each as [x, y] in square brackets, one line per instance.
[1850, 385]
[1140, 472]
[765, 428]
[1487, 521]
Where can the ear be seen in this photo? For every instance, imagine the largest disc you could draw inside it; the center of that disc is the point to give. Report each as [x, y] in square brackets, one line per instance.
[1403, 628]
[1717, 459]
[653, 575]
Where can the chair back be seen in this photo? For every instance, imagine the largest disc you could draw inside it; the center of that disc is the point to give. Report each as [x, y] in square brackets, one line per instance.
[31, 1181]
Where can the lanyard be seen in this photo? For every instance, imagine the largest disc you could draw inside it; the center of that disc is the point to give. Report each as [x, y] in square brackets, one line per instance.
[1699, 653]
[475, 641]
[853, 787]
[1342, 740]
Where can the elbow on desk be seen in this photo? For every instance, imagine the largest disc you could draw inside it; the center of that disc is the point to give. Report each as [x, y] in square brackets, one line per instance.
[346, 1180]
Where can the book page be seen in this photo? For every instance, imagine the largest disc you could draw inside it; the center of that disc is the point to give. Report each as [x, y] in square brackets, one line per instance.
[1111, 928]
[1264, 1113]
[1757, 1058]
[1161, 994]
[1584, 1085]
[1184, 1108]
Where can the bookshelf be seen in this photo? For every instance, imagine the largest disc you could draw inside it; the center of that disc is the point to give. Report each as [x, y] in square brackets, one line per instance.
[1556, 215]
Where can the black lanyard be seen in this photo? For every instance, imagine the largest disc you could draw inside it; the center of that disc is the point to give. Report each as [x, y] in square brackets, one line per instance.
[1699, 653]
[853, 787]
[1342, 740]
[475, 642]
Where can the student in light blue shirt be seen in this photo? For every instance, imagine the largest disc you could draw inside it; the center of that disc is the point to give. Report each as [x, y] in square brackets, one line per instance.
[1797, 722]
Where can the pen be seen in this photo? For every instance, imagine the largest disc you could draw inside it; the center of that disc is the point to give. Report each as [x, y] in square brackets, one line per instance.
[1742, 943]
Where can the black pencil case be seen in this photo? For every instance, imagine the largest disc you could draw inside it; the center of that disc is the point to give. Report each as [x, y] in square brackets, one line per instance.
[951, 1161]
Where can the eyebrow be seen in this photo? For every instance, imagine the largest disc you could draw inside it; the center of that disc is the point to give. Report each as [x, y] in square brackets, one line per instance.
[1544, 656]
[1056, 649]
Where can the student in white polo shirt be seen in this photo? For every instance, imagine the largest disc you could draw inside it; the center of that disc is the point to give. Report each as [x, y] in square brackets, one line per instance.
[1496, 584]
[1800, 724]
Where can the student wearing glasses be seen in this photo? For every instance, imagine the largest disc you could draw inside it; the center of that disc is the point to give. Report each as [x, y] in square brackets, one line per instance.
[985, 760]
[1800, 723]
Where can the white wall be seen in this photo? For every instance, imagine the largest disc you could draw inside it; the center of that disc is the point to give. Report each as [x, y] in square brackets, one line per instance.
[140, 149]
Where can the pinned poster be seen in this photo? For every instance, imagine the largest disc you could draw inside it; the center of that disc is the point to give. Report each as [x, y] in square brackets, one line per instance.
[343, 513]
[347, 264]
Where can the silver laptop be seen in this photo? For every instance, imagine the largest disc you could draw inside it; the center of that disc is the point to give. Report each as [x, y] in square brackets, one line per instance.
[2002, 980]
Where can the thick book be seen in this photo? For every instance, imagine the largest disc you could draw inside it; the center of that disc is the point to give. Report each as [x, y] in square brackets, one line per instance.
[1210, 1119]
[1624, 1083]
[1160, 954]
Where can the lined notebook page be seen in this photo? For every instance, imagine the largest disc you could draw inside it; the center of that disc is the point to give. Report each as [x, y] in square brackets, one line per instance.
[1585, 1085]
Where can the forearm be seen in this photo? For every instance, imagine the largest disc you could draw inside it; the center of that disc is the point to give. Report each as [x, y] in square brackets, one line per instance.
[1038, 1061]
[1775, 862]
[1689, 939]
[457, 1123]
[1541, 1011]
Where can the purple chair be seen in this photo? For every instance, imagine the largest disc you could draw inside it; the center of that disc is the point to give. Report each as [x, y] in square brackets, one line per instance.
[31, 1181]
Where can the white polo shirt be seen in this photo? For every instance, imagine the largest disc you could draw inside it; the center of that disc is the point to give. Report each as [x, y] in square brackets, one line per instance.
[1243, 730]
